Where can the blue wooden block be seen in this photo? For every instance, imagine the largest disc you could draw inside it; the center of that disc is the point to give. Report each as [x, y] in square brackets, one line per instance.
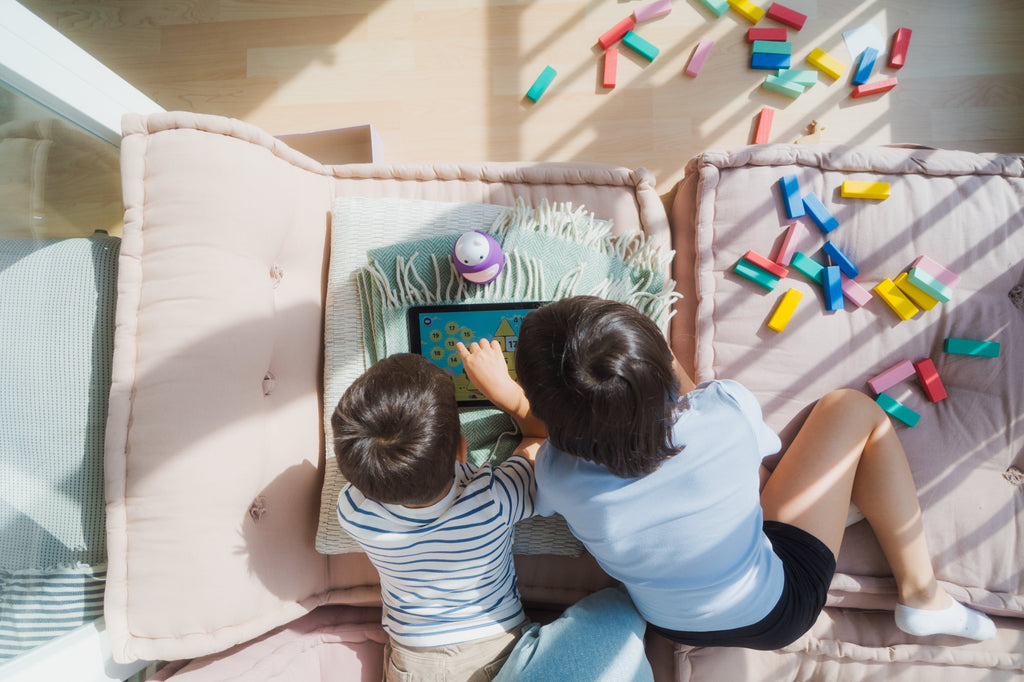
[867, 64]
[841, 259]
[541, 84]
[791, 195]
[640, 46]
[819, 214]
[771, 62]
[831, 279]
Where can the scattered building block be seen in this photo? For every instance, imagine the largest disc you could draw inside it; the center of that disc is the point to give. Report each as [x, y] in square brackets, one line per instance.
[700, 55]
[772, 47]
[615, 33]
[717, 7]
[794, 232]
[867, 64]
[640, 46]
[875, 88]
[978, 349]
[755, 274]
[542, 83]
[770, 62]
[826, 63]
[784, 311]
[764, 125]
[841, 259]
[656, 9]
[807, 266]
[930, 381]
[898, 410]
[785, 15]
[939, 272]
[783, 87]
[791, 195]
[611, 66]
[765, 264]
[864, 189]
[895, 299]
[766, 34]
[747, 10]
[920, 298]
[884, 381]
[900, 45]
[855, 292]
[819, 214]
[929, 285]
[804, 77]
[832, 280]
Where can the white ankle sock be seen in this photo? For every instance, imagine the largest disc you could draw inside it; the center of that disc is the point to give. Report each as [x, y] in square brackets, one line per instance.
[956, 620]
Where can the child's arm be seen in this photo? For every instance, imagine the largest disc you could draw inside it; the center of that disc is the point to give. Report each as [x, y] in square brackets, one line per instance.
[528, 448]
[486, 368]
[685, 382]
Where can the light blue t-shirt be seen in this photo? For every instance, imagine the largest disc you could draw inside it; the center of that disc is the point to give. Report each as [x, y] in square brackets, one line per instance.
[686, 539]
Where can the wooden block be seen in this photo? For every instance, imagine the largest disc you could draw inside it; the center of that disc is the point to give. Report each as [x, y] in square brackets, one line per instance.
[874, 88]
[791, 196]
[808, 267]
[640, 46]
[542, 83]
[755, 274]
[785, 15]
[747, 10]
[900, 45]
[899, 303]
[783, 87]
[930, 381]
[867, 64]
[764, 125]
[615, 33]
[929, 285]
[772, 47]
[841, 259]
[832, 280]
[978, 349]
[766, 34]
[856, 293]
[892, 376]
[920, 298]
[790, 243]
[770, 62]
[700, 55]
[898, 410]
[858, 189]
[939, 272]
[804, 77]
[784, 311]
[819, 214]
[826, 63]
[765, 264]
[656, 9]
[717, 7]
[611, 66]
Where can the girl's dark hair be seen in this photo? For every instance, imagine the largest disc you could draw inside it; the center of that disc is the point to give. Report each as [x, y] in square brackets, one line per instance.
[396, 431]
[599, 375]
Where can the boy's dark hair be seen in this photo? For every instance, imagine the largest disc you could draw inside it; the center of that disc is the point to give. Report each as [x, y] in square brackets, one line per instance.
[599, 375]
[396, 431]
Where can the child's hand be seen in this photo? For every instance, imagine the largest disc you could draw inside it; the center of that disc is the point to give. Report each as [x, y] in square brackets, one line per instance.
[486, 367]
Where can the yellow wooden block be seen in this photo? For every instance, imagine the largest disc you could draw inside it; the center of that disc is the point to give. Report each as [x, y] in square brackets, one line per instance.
[900, 304]
[858, 189]
[826, 63]
[749, 10]
[785, 310]
[915, 294]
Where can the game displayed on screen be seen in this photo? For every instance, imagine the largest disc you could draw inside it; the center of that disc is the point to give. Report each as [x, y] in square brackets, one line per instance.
[434, 331]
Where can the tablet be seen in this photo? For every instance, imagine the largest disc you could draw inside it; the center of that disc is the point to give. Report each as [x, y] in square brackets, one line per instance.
[435, 329]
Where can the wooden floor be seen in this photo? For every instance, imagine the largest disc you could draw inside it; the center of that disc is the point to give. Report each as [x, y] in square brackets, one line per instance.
[444, 80]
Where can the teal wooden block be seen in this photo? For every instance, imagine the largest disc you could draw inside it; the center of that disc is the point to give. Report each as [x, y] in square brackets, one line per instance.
[756, 274]
[542, 83]
[978, 349]
[929, 285]
[640, 46]
[804, 77]
[783, 87]
[807, 266]
[897, 409]
[772, 47]
[718, 7]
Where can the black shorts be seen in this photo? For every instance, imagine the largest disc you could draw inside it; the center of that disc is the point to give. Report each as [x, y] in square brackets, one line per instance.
[808, 566]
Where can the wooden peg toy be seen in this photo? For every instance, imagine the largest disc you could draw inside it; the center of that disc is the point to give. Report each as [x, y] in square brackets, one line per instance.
[930, 381]
[826, 63]
[819, 214]
[887, 379]
[895, 299]
[787, 16]
[764, 125]
[541, 84]
[791, 195]
[898, 410]
[813, 136]
[784, 311]
[900, 45]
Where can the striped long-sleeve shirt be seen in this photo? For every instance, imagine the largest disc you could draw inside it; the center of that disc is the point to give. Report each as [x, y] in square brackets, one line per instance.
[446, 570]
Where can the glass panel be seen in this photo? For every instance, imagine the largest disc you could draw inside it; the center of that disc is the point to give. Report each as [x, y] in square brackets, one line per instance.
[60, 223]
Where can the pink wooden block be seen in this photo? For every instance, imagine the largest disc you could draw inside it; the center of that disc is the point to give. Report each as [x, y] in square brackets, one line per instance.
[764, 125]
[699, 56]
[855, 292]
[652, 11]
[939, 272]
[790, 243]
[765, 264]
[892, 376]
[611, 66]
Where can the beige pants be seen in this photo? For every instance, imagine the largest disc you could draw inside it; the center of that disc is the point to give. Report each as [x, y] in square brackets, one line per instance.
[476, 661]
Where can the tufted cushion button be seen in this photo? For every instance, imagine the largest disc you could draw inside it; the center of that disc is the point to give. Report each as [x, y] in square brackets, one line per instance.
[258, 508]
[276, 273]
[269, 383]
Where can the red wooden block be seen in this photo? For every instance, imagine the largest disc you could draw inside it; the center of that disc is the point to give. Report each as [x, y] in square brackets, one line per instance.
[785, 15]
[764, 125]
[778, 34]
[615, 33]
[898, 53]
[875, 88]
[930, 381]
[611, 64]
[765, 264]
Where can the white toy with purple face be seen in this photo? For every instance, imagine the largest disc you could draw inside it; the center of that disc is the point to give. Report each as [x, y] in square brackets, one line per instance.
[478, 257]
